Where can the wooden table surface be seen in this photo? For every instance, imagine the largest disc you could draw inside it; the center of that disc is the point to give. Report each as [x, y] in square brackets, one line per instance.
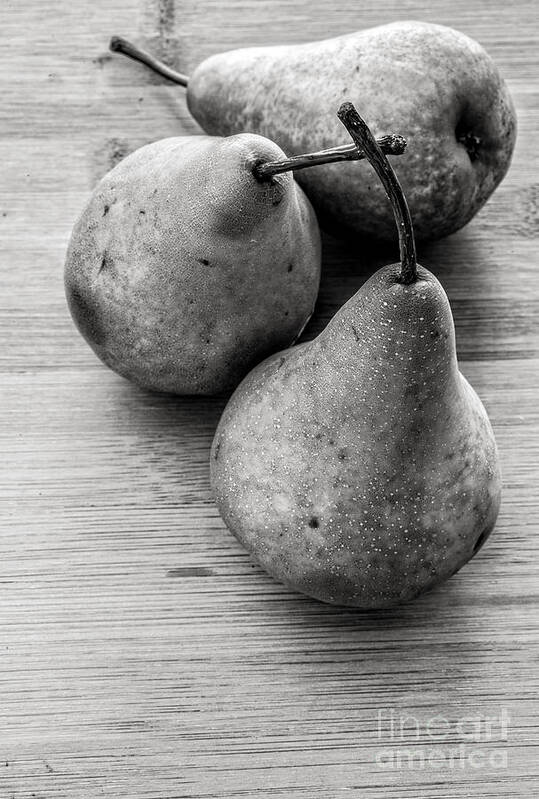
[142, 653]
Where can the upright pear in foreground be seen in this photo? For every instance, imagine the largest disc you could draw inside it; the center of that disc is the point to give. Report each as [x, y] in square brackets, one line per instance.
[361, 467]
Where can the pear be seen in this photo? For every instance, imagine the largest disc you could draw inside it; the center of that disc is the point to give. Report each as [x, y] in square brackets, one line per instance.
[436, 86]
[196, 257]
[361, 468]
[186, 269]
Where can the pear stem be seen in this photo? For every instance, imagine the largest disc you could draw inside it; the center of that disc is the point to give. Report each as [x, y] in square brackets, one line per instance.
[392, 144]
[364, 140]
[120, 45]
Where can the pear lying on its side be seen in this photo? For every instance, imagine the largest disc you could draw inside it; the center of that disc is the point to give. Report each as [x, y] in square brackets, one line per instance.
[361, 467]
[436, 86]
[185, 269]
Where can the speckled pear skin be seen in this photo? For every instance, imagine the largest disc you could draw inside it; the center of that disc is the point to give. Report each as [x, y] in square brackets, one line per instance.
[184, 270]
[361, 468]
[430, 83]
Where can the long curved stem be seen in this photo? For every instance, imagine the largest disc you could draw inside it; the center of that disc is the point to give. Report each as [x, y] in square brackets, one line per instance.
[365, 141]
[120, 45]
[392, 145]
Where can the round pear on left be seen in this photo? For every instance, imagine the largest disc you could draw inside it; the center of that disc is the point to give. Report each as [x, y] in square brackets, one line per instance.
[186, 268]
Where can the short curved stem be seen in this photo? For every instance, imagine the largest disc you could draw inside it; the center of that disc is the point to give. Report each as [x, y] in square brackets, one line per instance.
[392, 145]
[120, 45]
[365, 141]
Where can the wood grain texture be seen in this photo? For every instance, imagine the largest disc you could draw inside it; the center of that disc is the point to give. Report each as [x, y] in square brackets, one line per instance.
[142, 654]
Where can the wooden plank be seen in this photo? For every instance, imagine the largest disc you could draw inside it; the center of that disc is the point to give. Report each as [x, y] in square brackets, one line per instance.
[143, 654]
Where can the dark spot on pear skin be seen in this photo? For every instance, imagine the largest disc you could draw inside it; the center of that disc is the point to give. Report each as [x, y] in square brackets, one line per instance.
[106, 210]
[342, 454]
[290, 267]
[143, 213]
[313, 522]
[281, 362]
[354, 331]
[86, 315]
[203, 261]
[106, 262]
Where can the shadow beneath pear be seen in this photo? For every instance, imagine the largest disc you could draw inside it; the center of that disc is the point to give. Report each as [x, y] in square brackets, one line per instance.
[453, 258]
[156, 411]
[175, 103]
[459, 262]
[474, 282]
[434, 612]
[171, 435]
[346, 264]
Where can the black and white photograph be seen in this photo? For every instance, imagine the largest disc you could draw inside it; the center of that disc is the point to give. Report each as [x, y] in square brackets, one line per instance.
[269, 399]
